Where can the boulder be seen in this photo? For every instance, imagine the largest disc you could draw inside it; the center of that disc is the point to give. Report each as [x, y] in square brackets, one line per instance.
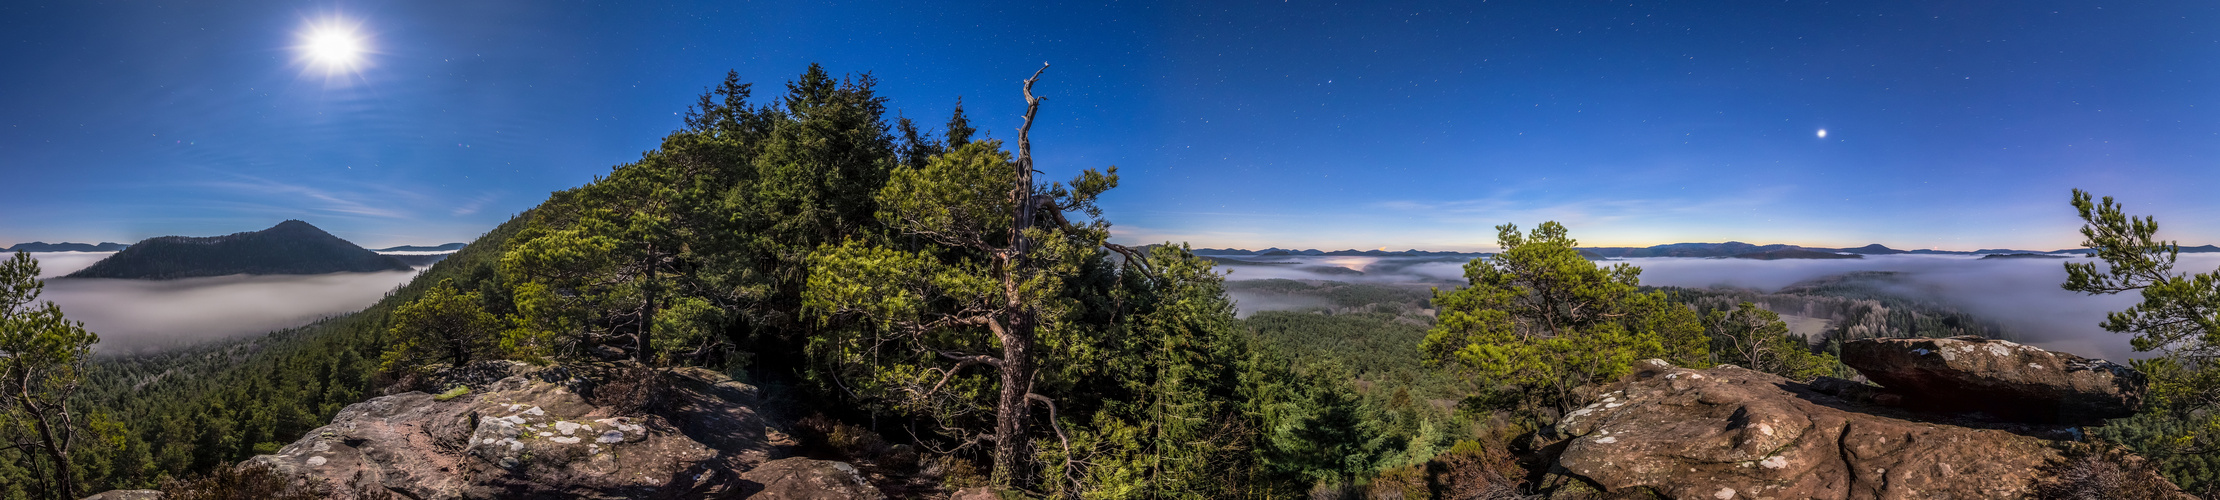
[127, 495]
[2000, 379]
[805, 479]
[532, 433]
[1729, 433]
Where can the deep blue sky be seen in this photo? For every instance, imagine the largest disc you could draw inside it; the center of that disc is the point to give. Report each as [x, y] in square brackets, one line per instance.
[1955, 125]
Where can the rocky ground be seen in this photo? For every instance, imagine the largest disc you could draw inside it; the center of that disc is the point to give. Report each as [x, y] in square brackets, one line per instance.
[1729, 433]
[523, 431]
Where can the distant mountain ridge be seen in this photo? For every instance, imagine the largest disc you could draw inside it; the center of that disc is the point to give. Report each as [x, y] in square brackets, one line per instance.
[41, 246]
[450, 247]
[291, 247]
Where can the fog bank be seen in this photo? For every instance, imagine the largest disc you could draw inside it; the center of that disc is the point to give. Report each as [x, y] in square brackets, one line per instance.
[2023, 295]
[55, 264]
[140, 315]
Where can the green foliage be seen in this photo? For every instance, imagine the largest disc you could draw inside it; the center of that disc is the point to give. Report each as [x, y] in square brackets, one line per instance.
[1755, 338]
[42, 365]
[1325, 436]
[445, 325]
[993, 280]
[458, 391]
[1539, 321]
[2178, 318]
[2153, 435]
[1169, 382]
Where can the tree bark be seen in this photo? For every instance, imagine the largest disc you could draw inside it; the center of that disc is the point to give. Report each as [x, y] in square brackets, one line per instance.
[646, 351]
[1012, 412]
[65, 478]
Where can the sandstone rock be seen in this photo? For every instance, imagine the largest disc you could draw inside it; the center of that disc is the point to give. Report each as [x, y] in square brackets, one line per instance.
[805, 479]
[127, 495]
[1729, 433]
[977, 493]
[533, 434]
[2002, 379]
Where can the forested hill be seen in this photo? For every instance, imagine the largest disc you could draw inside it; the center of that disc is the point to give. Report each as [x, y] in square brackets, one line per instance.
[291, 247]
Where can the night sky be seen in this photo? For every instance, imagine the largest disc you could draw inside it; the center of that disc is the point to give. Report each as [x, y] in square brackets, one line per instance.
[1955, 125]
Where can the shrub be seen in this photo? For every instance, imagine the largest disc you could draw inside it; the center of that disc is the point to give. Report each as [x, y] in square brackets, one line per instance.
[2102, 471]
[630, 390]
[250, 481]
[1476, 470]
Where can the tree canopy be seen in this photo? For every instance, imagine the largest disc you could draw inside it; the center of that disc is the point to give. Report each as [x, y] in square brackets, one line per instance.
[42, 364]
[2178, 318]
[1538, 321]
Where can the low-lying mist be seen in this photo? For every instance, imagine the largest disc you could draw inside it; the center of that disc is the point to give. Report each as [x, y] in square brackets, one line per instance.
[135, 316]
[2021, 294]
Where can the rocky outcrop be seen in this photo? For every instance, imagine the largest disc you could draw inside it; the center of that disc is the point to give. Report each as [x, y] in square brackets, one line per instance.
[1729, 433]
[533, 433]
[805, 479]
[1999, 379]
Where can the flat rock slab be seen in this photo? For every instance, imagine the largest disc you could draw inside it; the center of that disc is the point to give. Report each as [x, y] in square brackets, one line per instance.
[532, 435]
[1728, 433]
[800, 478]
[2004, 380]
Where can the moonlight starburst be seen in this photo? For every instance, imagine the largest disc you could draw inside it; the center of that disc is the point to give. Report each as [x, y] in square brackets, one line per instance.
[336, 46]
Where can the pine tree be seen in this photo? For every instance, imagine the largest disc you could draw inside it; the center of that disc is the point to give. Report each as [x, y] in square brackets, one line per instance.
[42, 365]
[984, 297]
[2179, 317]
[1539, 321]
[445, 324]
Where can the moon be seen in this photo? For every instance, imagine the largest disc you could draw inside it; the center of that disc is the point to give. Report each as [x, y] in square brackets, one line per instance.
[1822, 133]
[333, 45]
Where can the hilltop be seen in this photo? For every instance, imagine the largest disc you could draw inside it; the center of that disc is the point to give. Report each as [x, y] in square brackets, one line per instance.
[291, 247]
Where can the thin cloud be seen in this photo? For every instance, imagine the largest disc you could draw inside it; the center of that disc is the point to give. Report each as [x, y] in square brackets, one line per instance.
[314, 199]
[475, 204]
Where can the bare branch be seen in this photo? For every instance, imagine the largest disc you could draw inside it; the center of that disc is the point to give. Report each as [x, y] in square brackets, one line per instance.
[1133, 256]
[962, 362]
[1054, 423]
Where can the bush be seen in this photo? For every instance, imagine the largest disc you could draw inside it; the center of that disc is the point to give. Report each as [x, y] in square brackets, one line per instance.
[630, 390]
[1400, 483]
[2102, 471]
[1476, 470]
[254, 481]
